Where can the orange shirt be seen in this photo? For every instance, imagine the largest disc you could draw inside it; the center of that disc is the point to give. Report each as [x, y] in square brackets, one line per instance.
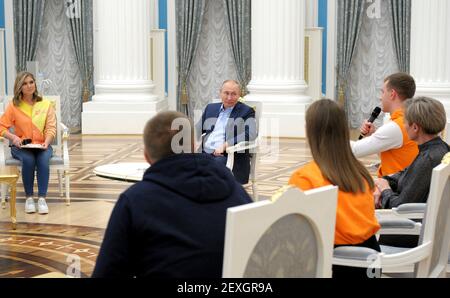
[355, 215]
[396, 160]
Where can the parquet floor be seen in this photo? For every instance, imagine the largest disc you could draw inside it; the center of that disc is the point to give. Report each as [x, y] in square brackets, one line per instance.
[69, 237]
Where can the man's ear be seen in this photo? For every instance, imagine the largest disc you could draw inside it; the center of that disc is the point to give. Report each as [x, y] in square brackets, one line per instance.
[147, 157]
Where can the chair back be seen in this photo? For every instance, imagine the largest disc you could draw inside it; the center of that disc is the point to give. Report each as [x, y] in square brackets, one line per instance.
[436, 224]
[290, 236]
[257, 106]
[446, 133]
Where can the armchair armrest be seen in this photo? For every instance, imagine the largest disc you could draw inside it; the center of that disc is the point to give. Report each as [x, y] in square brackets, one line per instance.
[412, 211]
[65, 131]
[354, 256]
[253, 145]
[400, 226]
[243, 146]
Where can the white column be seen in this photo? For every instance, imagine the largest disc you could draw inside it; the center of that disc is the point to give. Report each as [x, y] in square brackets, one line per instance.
[125, 96]
[278, 64]
[430, 48]
[312, 13]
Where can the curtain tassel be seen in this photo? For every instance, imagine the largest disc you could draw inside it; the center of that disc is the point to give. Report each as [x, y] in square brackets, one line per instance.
[184, 94]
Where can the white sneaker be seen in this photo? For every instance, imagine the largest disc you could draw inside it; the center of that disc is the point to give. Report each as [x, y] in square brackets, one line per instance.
[29, 206]
[42, 206]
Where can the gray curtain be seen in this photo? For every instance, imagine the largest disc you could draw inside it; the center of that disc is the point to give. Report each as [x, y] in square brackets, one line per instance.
[213, 63]
[28, 15]
[81, 30]
[374, 59]
[401, 28]
[350, 16]
[58, 63]
[189, 16]
[238, 20]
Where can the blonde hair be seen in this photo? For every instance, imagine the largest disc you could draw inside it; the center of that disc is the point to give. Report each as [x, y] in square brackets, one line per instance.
[20, 79]
[329, 139]
[426, 112]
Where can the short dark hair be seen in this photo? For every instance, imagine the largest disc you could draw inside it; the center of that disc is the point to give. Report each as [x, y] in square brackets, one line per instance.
[158, 134]
[403, 84]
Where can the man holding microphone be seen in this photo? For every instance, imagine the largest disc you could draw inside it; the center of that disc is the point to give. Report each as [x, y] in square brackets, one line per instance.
[391, 141]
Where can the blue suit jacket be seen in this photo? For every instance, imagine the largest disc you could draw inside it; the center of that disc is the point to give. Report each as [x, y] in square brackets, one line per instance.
[241, 127]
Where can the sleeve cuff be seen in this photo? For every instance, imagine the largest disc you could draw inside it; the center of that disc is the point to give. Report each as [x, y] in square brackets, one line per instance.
[385, 201]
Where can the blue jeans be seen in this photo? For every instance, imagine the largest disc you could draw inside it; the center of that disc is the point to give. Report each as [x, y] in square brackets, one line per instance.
[34, 159]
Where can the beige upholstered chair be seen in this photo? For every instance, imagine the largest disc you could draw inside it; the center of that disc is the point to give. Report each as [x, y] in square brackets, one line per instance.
[59, 160]
[290, 236]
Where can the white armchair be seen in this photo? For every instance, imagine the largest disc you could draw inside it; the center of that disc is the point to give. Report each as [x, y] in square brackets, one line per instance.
[290, 236]
[59, 160]
[253, 148]
[431, 255]
[446, 135]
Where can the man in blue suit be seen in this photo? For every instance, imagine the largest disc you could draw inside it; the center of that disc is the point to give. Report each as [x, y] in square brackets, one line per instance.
[227, 124]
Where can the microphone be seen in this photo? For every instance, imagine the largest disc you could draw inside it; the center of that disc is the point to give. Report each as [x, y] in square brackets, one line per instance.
[376, 112]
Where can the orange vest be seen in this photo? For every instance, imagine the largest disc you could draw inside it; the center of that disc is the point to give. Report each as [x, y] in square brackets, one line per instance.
[396, 160]
[355, 214]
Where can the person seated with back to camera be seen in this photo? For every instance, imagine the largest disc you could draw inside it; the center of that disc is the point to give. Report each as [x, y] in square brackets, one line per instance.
[328, 136]
[172, 223]
[390, 141]
[34, 121]
[226, 124]
[425, 118]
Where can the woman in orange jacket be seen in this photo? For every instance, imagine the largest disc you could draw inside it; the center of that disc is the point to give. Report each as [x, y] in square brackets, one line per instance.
[34, 122]
[334, 163]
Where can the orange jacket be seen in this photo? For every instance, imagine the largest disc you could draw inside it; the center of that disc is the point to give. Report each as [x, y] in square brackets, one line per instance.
[355, 215]
[35, 122]
[396, 160]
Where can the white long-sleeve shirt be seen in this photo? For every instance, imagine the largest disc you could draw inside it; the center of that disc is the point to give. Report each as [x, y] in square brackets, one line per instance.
[387, 137]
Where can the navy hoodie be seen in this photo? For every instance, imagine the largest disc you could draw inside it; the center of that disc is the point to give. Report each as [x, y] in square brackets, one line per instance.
[171, 224]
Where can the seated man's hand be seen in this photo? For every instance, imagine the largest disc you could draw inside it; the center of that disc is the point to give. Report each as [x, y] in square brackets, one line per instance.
[220, 150]
[377, 198]
[382, 184]
[367, 129]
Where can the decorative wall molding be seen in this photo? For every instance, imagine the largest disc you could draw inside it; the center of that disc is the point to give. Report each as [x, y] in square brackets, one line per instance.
[125, 98]
[278, 47]
[430, 47]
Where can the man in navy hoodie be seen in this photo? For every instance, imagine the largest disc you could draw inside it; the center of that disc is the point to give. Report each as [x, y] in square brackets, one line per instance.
[172, 223]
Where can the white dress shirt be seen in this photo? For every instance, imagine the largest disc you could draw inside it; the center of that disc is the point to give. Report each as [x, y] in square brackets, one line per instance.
[387, 137]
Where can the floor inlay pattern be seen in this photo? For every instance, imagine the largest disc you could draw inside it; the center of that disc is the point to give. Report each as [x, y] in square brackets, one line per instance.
[35, 249]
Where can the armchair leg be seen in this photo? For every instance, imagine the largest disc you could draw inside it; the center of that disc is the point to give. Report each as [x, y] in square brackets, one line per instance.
[3, 195]
[67, 184]
[61, 194]
[255, 191]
